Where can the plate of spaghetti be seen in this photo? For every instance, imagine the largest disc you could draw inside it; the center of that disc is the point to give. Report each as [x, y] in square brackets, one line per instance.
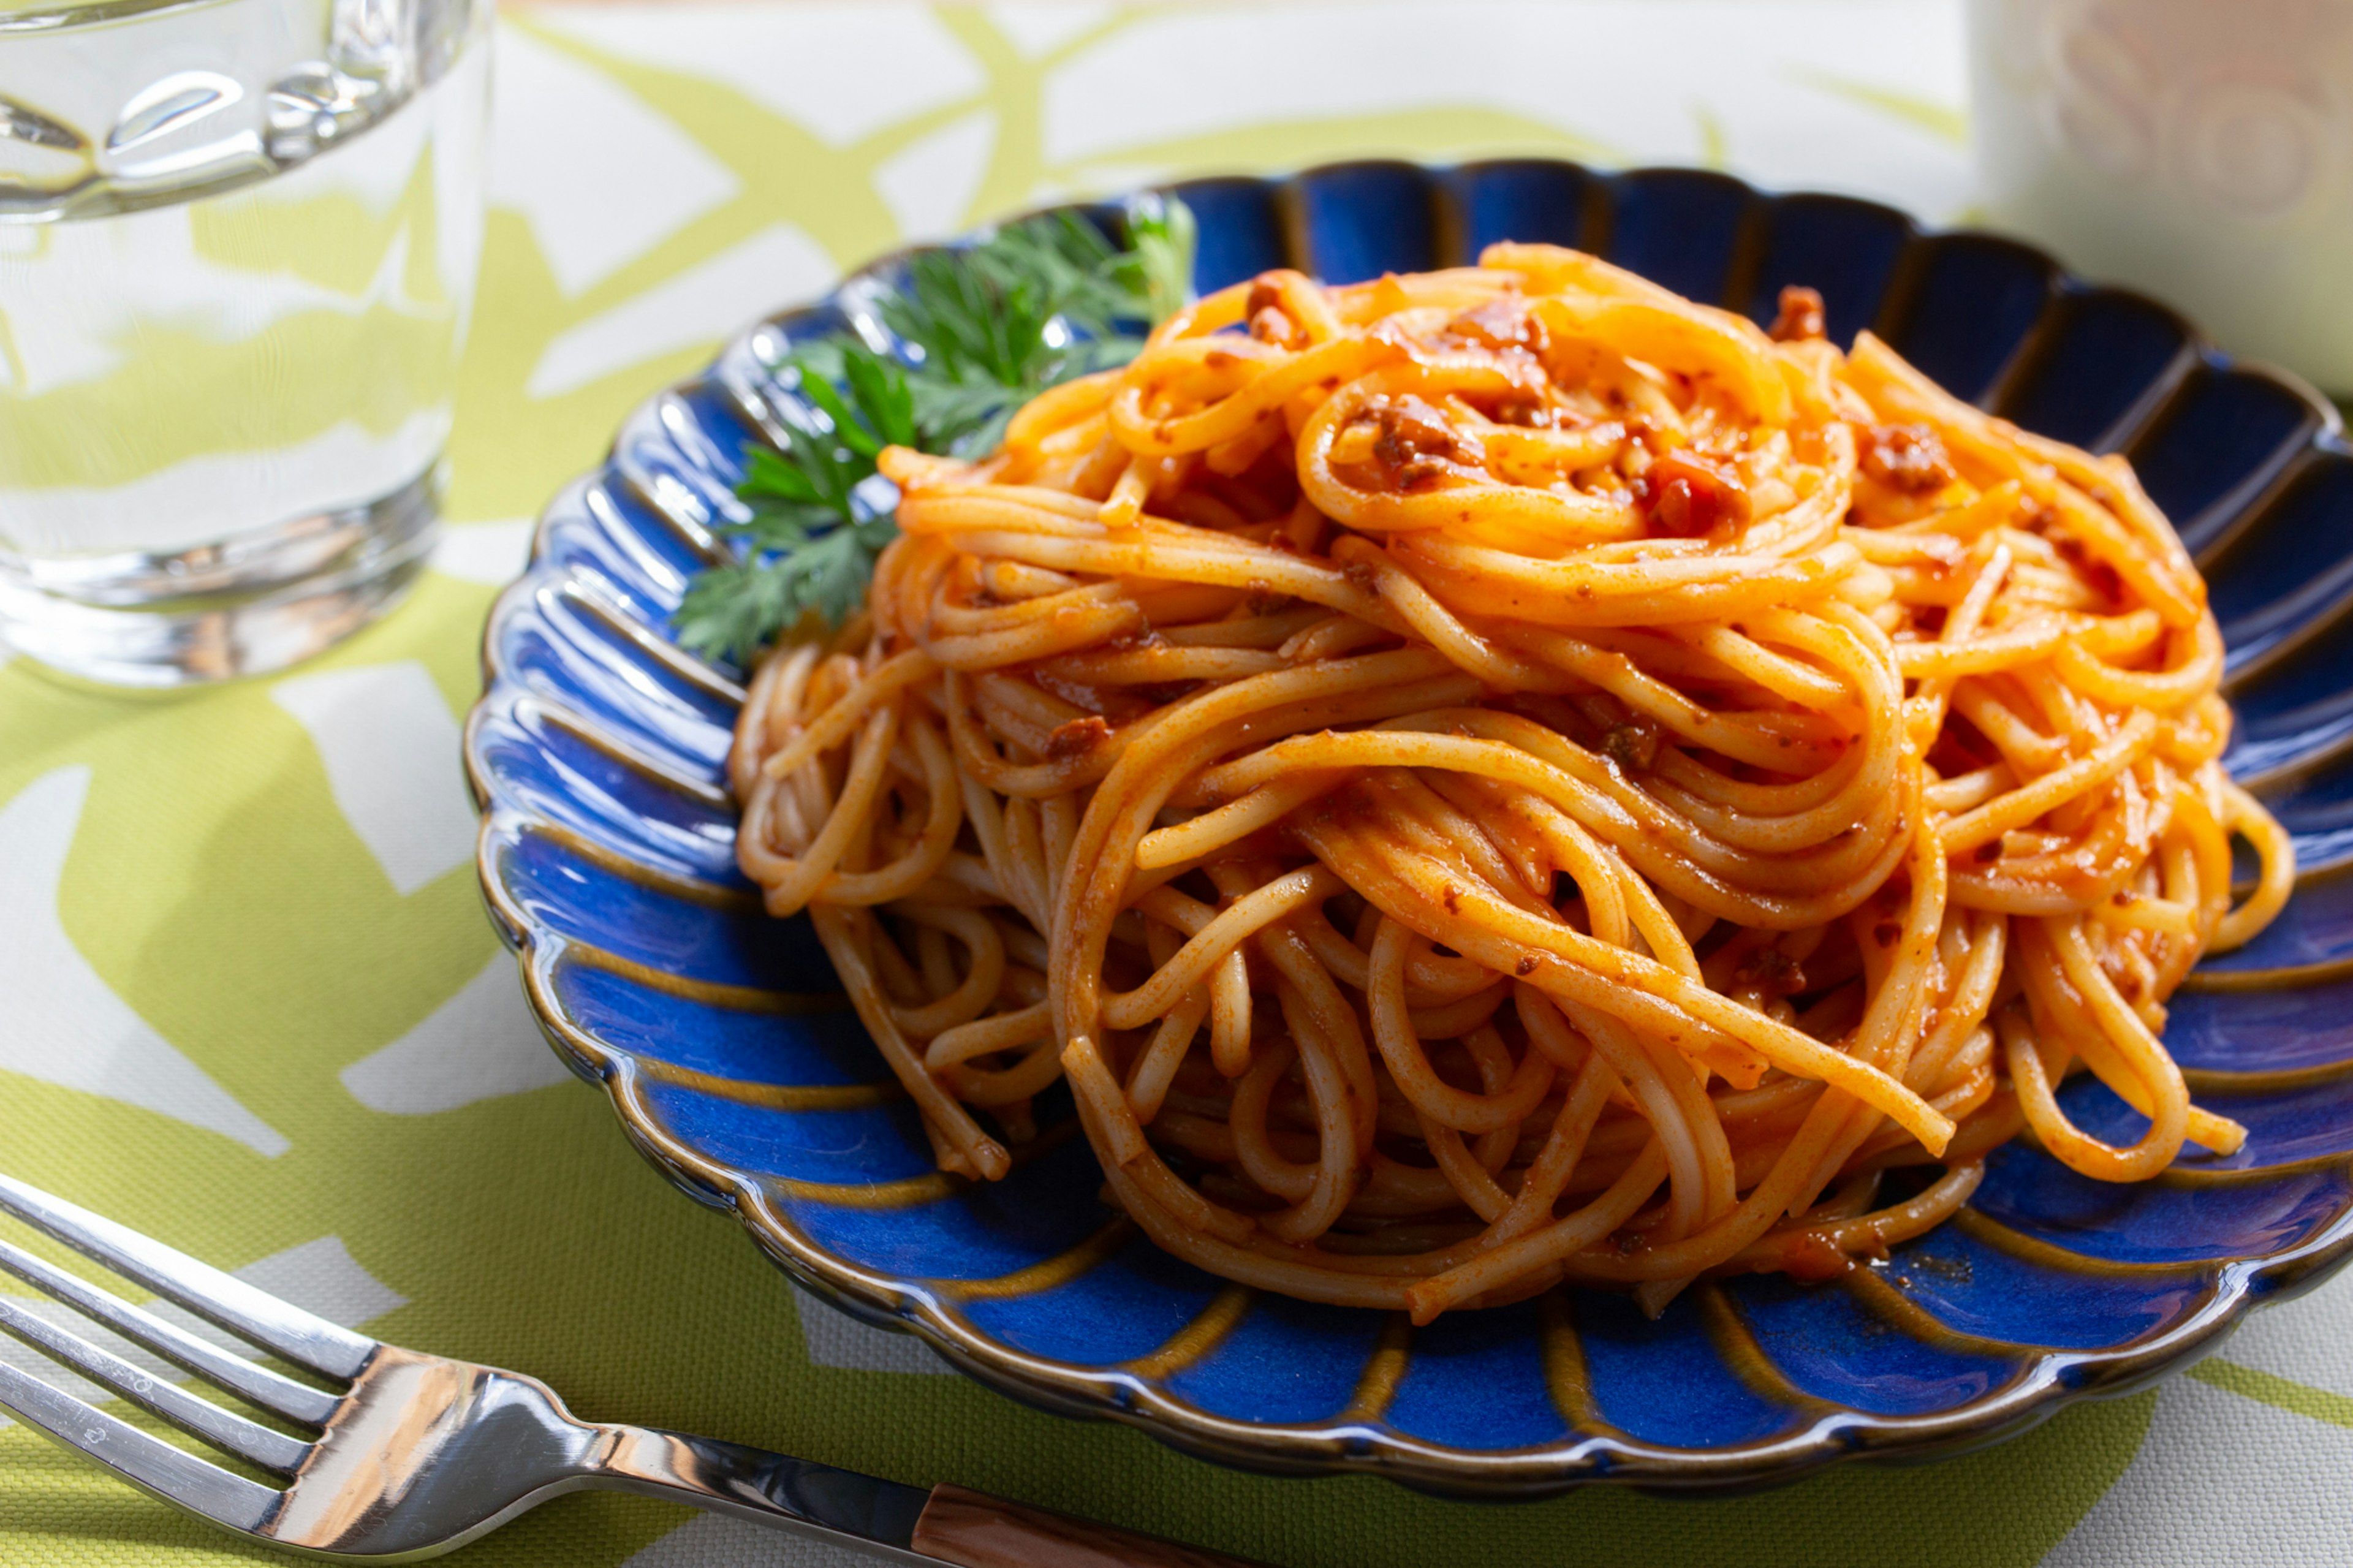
[1582, 827]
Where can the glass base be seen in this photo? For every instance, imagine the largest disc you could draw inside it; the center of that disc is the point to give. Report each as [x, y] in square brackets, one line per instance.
[255, 604]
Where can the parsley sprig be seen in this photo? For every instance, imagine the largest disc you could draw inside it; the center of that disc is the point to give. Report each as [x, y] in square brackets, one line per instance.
[984, 329]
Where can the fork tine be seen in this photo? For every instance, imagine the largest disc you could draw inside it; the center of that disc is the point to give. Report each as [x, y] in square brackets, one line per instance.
[257, 1384]
[148, 1463]
[198, 1417]
[276, 1326]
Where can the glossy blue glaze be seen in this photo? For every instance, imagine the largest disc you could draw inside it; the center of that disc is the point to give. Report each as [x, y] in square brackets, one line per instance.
[822, 1049]
[2289, 565]
[1039, 1212]
[1666, 1382]
[1127, 1306]
[2317, 810]
[1846, 251]
[1678, 226]
[1286, 1362]
[573, 650]
[2316, 929]
[2301, 712]
[2218, 438]
[594, 532]
[2103, 353]
[683, 452]
[1832, 1348]
[846, 1148]
[1535, 201]
[1363, 219]
[2257, 1031]
[1476, 1381]
[1987, 1286]
[1240, 231]
[559, 776]
[1972, 302]
[2285, 1125]
[2158, 1222]
[723, 1039]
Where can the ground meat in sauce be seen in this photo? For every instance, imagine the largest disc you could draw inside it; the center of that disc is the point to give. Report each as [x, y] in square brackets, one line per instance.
[1800, 317]
[1416, 442]
[1526, 410]
[1501, 324]
[1907, 458]
[1076, 739]
[1809, 1258]
[1633, 747]
[2098, 575]
[1688, 495]
[1269, 322]
[1272, 326]
[1770, 971]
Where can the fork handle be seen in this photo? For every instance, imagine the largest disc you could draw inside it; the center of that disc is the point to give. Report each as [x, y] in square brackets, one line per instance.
[769, 1488]
[895, 1522]
[976, 1530]
[898, 1523]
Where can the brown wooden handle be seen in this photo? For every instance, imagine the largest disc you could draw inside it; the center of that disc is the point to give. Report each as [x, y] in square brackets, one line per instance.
[982, 1531]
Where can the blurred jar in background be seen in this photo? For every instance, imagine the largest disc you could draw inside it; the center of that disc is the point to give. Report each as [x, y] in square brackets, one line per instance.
[2198, 150]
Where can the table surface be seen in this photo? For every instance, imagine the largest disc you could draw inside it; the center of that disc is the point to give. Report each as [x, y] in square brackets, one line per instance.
[248, 999]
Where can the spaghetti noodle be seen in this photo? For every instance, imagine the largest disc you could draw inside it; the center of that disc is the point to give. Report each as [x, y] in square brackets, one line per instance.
[1506, 775]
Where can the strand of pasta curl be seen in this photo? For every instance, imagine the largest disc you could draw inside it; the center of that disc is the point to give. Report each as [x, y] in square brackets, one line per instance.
[1506, 775]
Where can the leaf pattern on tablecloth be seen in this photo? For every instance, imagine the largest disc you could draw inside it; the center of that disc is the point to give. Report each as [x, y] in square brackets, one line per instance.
[267, 876]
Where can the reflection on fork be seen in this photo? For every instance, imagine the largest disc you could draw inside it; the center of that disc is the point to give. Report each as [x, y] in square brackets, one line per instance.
[415, 1455]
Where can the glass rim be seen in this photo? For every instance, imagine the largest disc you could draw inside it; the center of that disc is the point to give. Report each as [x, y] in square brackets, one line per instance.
[88, 13]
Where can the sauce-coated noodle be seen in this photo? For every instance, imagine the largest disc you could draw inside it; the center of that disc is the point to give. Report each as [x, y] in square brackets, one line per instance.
[1506, 775]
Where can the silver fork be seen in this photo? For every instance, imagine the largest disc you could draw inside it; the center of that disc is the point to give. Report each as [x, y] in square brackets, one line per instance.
[419, 1453]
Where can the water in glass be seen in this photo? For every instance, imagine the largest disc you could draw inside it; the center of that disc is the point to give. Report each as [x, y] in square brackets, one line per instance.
[237, 247]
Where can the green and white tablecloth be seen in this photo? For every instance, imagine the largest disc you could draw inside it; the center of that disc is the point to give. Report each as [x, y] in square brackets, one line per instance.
[248, 999]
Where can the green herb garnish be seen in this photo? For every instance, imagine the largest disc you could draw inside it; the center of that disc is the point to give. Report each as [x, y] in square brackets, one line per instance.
[988, 328]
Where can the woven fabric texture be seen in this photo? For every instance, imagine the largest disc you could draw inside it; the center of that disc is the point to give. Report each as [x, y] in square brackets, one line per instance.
[248, 1001]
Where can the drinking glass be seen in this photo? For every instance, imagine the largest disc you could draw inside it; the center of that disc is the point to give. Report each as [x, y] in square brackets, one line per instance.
[239, 241]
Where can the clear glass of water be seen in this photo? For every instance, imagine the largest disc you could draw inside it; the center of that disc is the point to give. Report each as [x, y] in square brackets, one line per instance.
[239, 241]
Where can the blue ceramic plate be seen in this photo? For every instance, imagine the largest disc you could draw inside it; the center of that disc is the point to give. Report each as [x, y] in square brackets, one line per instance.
[608, 859]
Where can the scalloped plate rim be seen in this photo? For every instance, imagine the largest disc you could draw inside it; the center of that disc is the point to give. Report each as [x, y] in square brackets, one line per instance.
[2048, 1380]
